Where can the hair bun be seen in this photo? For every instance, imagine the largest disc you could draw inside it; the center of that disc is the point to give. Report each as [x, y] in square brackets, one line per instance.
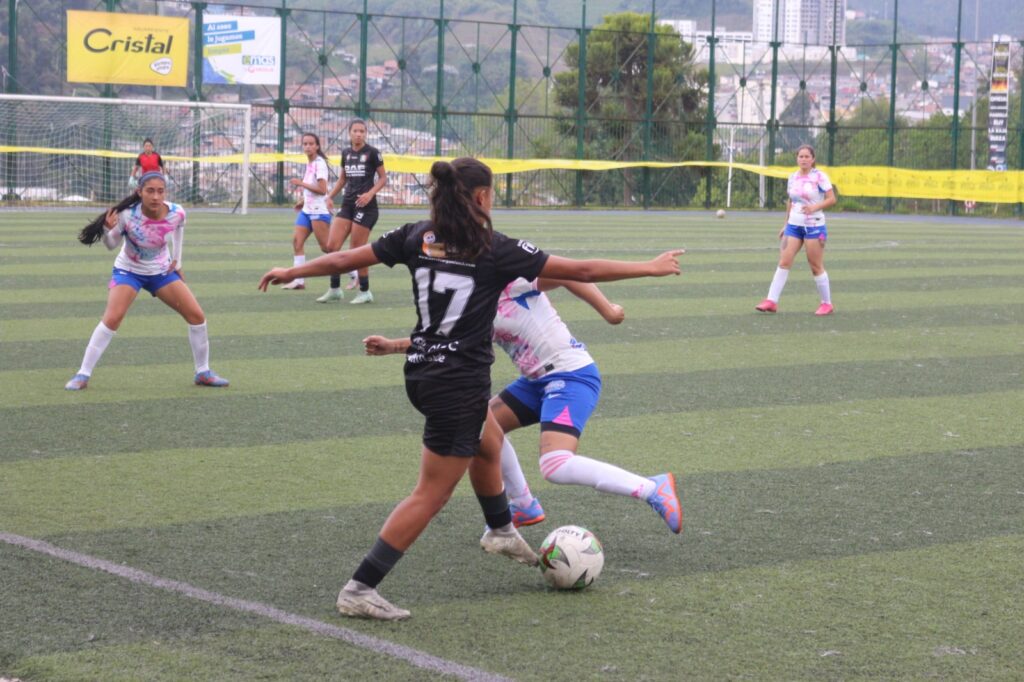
[443, 173]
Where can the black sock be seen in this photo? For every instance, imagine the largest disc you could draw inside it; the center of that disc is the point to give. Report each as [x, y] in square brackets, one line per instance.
[364, 283]
[378, 562]
[335, 281]
[496, 511]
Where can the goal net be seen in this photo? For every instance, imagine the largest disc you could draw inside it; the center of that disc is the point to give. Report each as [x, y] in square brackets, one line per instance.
[78, 151]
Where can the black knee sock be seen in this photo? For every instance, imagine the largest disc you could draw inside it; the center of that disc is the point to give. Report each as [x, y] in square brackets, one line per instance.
[496, 511]
[335, 281]
[378, 562]
[364, 283]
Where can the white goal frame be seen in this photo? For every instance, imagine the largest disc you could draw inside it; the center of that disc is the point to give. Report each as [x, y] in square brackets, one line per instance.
[18, 145]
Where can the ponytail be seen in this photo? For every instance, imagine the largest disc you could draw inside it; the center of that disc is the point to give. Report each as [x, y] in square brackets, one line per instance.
[93, 232]
[319, 147]
[460, 223]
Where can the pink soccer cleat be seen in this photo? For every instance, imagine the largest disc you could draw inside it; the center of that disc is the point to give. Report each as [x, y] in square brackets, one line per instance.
[767, 306]
[824, 309]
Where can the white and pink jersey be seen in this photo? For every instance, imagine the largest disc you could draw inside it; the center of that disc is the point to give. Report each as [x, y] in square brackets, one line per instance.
[805, 190]
[528, 328]
[144, 249]
[313, 203]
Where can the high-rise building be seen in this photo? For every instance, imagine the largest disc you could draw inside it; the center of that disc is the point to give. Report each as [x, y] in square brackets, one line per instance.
[800, 22]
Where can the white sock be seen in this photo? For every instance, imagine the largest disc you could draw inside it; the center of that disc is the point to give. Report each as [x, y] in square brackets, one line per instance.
[565, 468]
[200, 343]
[98, 343]
[821, 281]
[778, 284]
[296, 261]
[516, 487]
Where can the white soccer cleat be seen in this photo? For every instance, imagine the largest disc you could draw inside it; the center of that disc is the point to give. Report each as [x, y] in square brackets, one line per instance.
[511, 545]
[359, 601]
[362, 297]
[331, 296]
[294, 285]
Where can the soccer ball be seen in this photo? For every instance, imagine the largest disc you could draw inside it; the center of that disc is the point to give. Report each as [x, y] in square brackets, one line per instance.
[720, 213]
[571, 558]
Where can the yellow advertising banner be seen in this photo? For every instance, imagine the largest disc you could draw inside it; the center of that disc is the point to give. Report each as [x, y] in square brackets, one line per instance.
[132, 49]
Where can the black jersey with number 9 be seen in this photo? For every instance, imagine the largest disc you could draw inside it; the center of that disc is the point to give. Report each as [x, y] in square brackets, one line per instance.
[456, 300]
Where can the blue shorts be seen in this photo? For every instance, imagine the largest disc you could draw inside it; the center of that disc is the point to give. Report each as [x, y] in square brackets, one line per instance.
[151, 283]
[561, 401]
[810, 232]
[306, 219]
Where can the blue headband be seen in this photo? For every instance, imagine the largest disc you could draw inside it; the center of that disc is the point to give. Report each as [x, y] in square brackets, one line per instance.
[149, 176]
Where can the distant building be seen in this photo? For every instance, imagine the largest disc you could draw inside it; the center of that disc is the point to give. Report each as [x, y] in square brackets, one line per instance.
[800, 22]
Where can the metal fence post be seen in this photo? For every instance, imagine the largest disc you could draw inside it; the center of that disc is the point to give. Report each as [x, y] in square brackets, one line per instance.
[511, 115]
[890, 155]
[581, 103]
[197, 95]
[11, 86]
[439, 104]
[955, 132]
[833, 125]
[652, 43]
[1020, 140]
[364, 31]
[772, 123]
[281, 105]
[711, 124]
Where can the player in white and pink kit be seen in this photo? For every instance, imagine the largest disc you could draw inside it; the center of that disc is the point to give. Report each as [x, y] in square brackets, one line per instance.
[140, 225]
[559, 387]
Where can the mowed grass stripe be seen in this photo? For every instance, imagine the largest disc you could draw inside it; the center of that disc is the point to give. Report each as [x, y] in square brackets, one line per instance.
[337, 362]
[101, 489]
[224, 417]
[152, 318]
[890, 542]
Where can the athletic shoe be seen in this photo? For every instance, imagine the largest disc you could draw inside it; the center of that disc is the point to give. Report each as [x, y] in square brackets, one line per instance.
[294, 285]
[210, 378]
[79, 382]
[511, 545]
[824, 309]
[767, 306]
[665, 501]
[528, 515]
[359, 601]
[332, 296]
[353, 281]
[362, 297]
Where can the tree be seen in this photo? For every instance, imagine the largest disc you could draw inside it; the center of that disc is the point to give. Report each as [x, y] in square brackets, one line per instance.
[615, 98]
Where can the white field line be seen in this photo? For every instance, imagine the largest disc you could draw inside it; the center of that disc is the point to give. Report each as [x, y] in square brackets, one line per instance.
[411, 656]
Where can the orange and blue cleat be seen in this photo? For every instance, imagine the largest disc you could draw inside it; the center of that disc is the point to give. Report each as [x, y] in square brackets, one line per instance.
[665, 501]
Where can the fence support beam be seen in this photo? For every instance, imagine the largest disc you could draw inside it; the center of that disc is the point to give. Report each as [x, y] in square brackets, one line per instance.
[439, 96]
[11, 86]
[711, 124]
[581, 103]
[890, 155]
[197, 95]
[511, 115]
[281, 105]
[955, 132]
[364, 36]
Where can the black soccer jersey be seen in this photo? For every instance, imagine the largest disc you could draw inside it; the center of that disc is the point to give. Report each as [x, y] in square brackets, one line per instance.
[455, 300]
[360, 170]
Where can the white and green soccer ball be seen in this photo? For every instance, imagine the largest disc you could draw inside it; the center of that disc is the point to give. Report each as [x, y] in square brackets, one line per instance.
[571, 558]
[720, 213]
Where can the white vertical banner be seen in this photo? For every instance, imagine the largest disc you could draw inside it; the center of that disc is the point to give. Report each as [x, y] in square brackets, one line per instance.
[241, 50]
[999, 104]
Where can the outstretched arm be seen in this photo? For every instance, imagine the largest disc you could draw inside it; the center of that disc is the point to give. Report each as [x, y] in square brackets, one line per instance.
[330, 264]
[589, 293]
[558, 267]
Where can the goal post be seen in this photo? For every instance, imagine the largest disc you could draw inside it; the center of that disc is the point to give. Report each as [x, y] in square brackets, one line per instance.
[68, 151]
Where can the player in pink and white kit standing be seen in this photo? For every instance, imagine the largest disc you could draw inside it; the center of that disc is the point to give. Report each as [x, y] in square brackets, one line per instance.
[140, 224]
[810, 193]
[559, 388]
[313, 216]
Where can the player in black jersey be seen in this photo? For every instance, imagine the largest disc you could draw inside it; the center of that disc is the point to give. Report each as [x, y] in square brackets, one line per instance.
[459, 266]
[362, 176]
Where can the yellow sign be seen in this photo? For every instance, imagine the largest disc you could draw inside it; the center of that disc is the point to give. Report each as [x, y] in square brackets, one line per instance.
[133, 49]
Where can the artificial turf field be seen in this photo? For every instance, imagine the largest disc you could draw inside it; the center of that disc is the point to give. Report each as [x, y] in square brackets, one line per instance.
[853, 486]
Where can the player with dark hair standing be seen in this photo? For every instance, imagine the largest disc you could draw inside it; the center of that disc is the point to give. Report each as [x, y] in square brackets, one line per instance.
[810, 193]
[312, 214]
[362, 176]
[142, 221]
[146, 162]
[459, 266]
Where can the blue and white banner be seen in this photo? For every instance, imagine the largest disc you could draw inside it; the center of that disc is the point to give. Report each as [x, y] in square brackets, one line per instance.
[239, 50]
